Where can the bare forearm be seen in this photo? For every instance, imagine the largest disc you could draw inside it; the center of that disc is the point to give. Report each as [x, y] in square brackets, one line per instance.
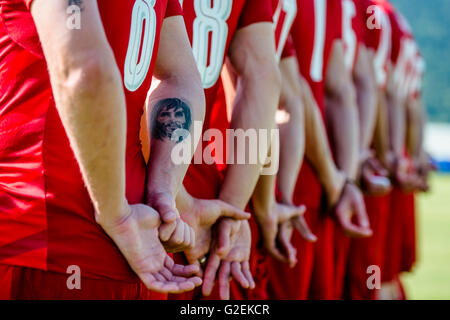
[292, 132]
[397, 124]
[318, 151]
[342, 117]
[415, 126]
[381, 138]
[366, 94]
[89, 97]
[264, 194]
[166, 168]
[254, 110]
[176, 110]
[252, 54]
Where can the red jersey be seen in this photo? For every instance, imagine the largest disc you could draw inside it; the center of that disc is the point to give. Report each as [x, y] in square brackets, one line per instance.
[211, 25]
[46, 215]
[284, 14]
[377, 35]
[352, 31]
[314, 32]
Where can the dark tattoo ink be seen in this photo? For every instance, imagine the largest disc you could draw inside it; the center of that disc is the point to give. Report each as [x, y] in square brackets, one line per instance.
[171, 119]
[78, 3]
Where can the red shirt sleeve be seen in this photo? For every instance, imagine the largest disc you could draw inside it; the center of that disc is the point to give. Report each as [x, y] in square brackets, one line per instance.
[289, 49]
[255, 11]
[173, 8]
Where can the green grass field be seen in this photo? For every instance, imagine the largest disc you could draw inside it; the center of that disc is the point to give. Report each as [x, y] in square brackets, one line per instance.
[431, 277]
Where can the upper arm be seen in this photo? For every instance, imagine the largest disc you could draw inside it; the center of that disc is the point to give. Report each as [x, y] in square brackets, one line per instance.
[252, 51]
[66, 47]
[175, 57]
[364, 70]
[338, 80]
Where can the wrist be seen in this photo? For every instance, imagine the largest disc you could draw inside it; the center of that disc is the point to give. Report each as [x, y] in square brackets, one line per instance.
[335, 187]
[112, 216]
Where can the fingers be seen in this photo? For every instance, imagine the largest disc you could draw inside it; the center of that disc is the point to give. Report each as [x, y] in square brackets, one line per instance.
[166, 230]
[246, 270]
[164, 203]
[270, 245]
[302, 227]
[180, 270]
[236, 271]
[229, 211]
[224, 280]
[225, 230]
[212, 266]
[284, 239]
[172, 278]
[182, 237]
[286, 213]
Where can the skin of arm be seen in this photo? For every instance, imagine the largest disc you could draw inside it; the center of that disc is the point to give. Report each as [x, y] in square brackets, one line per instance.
[373, 177]
[252, 54]
[366, 93]
[317, 148]
[292, 132]
[342, 112]
[90, 100]
[396, 108]
[177, 96]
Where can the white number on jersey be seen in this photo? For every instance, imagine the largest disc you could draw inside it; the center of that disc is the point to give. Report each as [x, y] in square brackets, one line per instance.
[210, 33]
[349, 36]
[289, 7]
[140, 48]
[384, 46]
[320, 9]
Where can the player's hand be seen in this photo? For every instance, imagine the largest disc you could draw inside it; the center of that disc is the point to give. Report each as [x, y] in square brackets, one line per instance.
[175, 234]
[351, 214]
[374, 177]
[202, 215]
[270, 221]
[229, 257]
[424, 165]
[137, 237]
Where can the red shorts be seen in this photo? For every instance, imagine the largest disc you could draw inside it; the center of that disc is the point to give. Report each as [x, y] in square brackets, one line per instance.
[409, 243]
[395, 235]
[368, 251]
[342, 252]
[20, 283]
[323, 276]
[293, 283]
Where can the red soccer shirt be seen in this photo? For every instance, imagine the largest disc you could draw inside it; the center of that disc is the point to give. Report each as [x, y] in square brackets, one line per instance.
[352, 30]
[46, 216]
[285, 12]
[315, 29]
[378, 37]
[211, 26]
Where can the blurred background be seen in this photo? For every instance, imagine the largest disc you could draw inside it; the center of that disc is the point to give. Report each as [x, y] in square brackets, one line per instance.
[431, 25]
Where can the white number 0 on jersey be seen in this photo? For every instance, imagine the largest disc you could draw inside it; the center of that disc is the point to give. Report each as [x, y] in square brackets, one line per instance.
[135, 70]
[320, 14]
[211, 20]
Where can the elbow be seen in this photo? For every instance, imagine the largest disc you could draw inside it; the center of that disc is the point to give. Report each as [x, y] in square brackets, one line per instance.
[88, 78]
[343, 95]
[264, 79]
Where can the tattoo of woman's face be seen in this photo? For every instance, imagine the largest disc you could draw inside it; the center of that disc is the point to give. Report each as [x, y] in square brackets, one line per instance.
[171, 119]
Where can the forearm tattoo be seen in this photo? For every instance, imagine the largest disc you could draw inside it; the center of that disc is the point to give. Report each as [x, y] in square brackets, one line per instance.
[78, 3]
[171, 120]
